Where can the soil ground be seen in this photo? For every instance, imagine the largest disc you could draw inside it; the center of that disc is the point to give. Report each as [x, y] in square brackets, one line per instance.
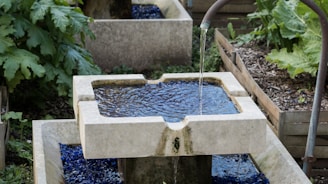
[288, 94]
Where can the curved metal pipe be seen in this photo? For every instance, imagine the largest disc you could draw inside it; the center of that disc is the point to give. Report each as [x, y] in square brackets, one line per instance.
[321, 76]
[211, 12]
[320, 83]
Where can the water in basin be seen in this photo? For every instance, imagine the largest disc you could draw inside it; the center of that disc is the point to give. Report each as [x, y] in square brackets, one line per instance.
[173, 100]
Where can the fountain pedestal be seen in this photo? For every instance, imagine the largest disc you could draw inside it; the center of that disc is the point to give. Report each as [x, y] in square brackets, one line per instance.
[187, 169]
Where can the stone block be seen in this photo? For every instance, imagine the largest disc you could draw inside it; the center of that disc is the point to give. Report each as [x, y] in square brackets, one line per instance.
[126, 137]
[143, 43]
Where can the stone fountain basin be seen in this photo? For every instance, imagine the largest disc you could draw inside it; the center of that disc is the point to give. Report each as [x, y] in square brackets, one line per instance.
[274, 161]
[131, 42]
[125, 137]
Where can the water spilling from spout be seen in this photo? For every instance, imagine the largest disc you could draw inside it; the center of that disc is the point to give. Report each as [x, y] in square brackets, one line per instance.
[201, 67]
[175, 167]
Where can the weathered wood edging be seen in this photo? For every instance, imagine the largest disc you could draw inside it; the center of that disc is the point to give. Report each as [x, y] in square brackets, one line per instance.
[290, 126]
[4, 126]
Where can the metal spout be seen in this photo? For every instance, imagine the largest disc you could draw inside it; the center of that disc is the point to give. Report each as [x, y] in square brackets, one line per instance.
[321, 75]
[320, 84]
[211, 12]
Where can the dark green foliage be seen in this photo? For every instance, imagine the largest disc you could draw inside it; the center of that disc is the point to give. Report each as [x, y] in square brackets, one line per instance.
[270, 28]
[17, 174]
[294, 30]
[18, 150]
[123, 69]
[41, 48]
[42, 40]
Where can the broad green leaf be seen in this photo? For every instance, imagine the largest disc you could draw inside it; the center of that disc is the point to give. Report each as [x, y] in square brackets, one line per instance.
[40, 37]
[290, 23]
[5, 43]
[64, 82]
[5, 30]
[23, 60]
[39, 9]
[308, 13]
[11, 66]
[6, 4]
[312, 42]
[21, 24]
[86, 66]
[59, 16]
[71, 59]
[80, 59]
[51, 72]
[15, 81]
[31, 65]
[6, 20]
[78, 21]
[295, 62]
[60, 77]
[62, 2]
[12, 115]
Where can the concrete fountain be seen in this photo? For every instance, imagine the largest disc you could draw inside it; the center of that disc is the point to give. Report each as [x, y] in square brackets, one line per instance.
[150, 142]
[106, 137]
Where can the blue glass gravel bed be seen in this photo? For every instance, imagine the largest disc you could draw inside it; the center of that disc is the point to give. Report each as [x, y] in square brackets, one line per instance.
[236, 169]
[146, 11]
[82, 171]
[227, 169]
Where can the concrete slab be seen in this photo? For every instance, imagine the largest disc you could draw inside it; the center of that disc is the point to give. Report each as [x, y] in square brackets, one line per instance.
[131, 41]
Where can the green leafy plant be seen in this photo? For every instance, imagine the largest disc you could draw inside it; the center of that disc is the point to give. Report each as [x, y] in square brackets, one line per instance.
[17, 174]
[18, 148]
[281, 26]
[43, 39]
[122, 69]
[294, 30]
[304, 56]
[268, 29]
[20, 124]
[231, 31]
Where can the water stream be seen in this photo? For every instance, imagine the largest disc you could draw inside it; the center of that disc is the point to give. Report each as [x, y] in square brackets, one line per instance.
[175, 167]
[201, 67]
[201, 78]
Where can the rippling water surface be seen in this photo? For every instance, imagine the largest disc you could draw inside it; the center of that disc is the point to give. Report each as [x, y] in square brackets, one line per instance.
[172, 100]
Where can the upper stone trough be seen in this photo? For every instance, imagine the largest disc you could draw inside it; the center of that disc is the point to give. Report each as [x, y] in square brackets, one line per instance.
[131, 137]
[143, 43]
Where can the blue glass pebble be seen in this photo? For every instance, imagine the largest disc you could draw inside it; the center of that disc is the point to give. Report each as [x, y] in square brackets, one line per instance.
[78, 170]
[230, 169]
[146, 12]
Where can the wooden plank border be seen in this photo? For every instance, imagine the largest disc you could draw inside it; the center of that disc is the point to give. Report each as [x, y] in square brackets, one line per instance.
[288, 125]
[4, 126]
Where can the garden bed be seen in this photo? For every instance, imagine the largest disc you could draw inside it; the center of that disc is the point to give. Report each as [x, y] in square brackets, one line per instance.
[287, 102]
